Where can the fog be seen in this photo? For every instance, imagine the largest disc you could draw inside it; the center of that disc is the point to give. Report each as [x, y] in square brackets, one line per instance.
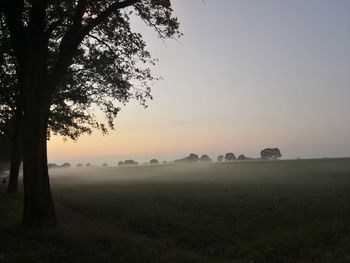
[245, 172]
[140, 174]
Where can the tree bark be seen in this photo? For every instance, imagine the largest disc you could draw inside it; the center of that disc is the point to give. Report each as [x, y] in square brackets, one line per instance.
[38, 203]
[16, 153]
[30, 44]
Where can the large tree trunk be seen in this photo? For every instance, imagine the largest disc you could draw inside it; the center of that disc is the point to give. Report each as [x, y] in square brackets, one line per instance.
[38, 207]
[38, 204]
[30, 44]
[16, 153]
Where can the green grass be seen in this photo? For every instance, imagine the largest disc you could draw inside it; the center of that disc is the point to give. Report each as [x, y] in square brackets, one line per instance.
[283, 211]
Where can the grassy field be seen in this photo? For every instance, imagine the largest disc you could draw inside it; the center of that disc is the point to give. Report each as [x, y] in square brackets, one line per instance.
[282, 211]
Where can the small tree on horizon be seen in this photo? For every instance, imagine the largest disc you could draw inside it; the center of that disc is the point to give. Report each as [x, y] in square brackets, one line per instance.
[229, 157]
[66, 165]
[271, 154]
[130, 162]
[153, 161]
[193, 158]
[241, 157]
[220, 158]
[205, 158]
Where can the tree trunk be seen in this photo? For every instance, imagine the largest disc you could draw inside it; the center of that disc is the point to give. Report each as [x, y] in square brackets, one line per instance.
[30, 43]
[16, 153]
[38, 207]
[38, 204]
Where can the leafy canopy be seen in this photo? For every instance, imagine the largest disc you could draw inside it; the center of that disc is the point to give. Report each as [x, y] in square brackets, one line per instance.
[95, 60]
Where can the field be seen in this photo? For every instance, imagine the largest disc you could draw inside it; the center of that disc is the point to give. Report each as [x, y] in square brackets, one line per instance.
[254, 211]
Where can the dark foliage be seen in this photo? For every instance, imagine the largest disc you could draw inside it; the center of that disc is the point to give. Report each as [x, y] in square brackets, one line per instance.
[205, 158]
[66, 165]
[229, 157]
[220, 158]
[130, 162]
[154, 161]
[270, 154]
[241, 157]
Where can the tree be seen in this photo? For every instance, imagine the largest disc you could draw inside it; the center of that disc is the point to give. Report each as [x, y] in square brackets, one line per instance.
[4, 152]
[130, 162]
[104, 165]
[79, 165]
[193, 158]
[53, 40]
[153, 161]
[120, 163]
[220, 158]
[64, 118]
[270, 153]
[205, 158]
[229, 157]
[10, 115]
[241, 157]
[66, 165]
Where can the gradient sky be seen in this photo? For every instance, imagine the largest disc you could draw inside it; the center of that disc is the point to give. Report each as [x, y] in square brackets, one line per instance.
[246, 75]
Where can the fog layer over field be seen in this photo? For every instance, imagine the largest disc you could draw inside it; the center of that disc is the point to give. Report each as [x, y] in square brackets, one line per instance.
[256, 172]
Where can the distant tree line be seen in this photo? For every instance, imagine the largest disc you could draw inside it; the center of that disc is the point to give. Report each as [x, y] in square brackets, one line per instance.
[266, 154]
[128, 162]
[54, 165]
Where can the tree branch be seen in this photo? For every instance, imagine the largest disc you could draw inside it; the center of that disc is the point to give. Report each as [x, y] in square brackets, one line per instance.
[107, 12]
[76, 34]
[100, 41]
[79, 12]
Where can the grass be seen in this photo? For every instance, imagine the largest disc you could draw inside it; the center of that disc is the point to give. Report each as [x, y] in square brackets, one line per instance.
[283, 211]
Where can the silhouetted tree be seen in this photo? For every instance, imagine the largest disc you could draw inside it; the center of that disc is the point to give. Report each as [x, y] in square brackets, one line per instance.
[88, 165]
[104, 165]
[205, 158]
[4, 152]
[220, 158]
[241, 157]
[79, 165]
[66, 165]
[154, 161]
[270, 153]
[229, 157]
[130, 162]
[193, 157]
[47, 39]
[120, 163]
[10, 115]
[68, 121]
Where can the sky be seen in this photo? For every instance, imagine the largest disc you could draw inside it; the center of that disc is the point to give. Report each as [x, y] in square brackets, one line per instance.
[246, 75]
